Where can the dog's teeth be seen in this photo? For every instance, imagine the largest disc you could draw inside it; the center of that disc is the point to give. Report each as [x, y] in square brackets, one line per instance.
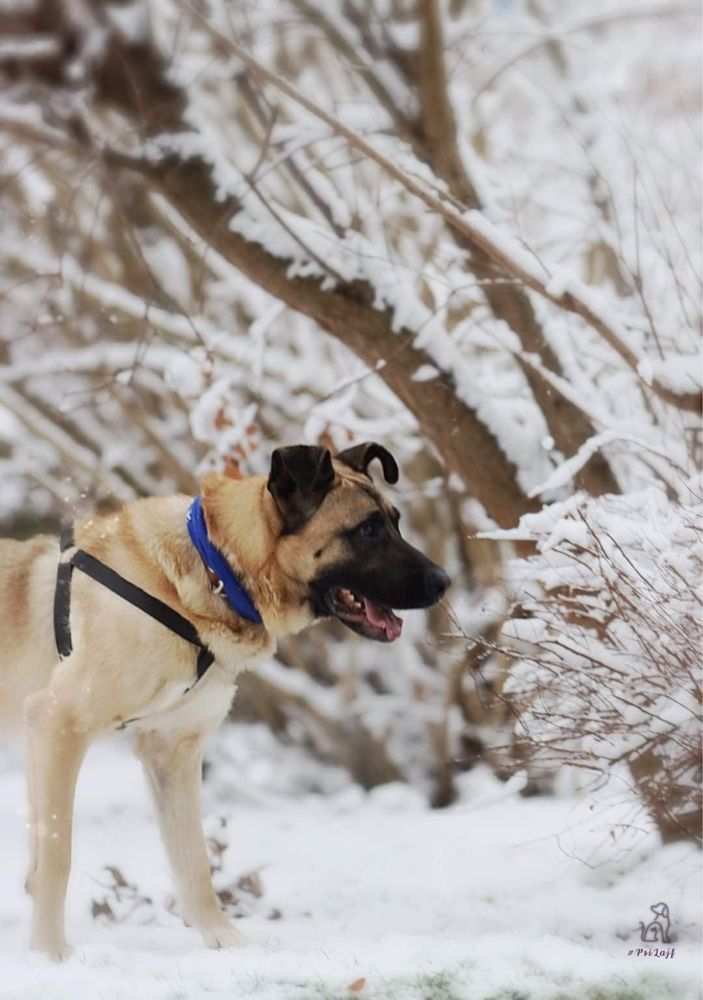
[349, 598]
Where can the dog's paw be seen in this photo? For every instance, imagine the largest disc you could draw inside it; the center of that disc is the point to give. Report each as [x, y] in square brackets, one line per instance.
[223, 935]
[57, 949]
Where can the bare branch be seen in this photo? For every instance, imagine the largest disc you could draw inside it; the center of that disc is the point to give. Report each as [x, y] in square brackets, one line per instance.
[471, 225]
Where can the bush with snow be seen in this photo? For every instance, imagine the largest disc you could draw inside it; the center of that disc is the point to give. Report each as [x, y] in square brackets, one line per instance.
[607, 642]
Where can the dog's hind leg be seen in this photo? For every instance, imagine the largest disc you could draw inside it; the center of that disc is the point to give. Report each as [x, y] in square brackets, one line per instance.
[54, 754]
[173, 764]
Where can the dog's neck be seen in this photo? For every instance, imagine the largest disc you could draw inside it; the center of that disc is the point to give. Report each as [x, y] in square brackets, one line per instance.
[245, 524]
[242, 521]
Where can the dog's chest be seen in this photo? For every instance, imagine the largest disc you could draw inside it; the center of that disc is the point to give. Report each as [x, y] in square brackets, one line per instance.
[202, 706]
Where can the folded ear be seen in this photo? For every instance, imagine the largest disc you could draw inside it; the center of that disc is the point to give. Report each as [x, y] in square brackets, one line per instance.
[300, 478]
[360, 455]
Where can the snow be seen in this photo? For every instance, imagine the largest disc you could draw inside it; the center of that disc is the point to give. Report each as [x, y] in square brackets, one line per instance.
[496, 897]
[681, 373]
[425, 373]
[37, 47]
[506, 245]
[568, 469]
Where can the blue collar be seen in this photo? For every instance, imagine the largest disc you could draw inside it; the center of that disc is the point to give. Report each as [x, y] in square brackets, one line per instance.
[237, 597]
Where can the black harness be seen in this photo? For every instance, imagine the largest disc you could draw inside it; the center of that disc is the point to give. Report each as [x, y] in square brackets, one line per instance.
[129, 592]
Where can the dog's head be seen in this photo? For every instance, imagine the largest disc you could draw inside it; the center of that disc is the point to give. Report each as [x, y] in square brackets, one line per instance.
[339, 540]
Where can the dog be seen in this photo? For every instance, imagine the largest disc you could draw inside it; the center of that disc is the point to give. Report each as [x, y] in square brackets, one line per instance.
[659, 928]
[144, 618]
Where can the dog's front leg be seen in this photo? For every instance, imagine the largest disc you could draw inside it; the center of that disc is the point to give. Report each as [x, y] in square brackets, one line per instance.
[55, 751]
[173, 765]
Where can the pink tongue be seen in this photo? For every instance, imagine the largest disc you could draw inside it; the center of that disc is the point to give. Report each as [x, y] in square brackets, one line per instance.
[383, 618]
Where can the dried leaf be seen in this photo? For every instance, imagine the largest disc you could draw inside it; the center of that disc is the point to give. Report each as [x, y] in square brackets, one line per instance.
[118, 878]
[251, 883]
[102, 909]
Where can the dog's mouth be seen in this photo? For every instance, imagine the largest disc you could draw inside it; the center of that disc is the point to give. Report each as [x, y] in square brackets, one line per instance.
[362, 615]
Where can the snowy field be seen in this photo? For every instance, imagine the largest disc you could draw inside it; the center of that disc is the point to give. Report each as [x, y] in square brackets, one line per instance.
[346, 893]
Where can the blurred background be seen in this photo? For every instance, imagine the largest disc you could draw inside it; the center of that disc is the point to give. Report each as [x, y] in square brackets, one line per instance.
[469, 230]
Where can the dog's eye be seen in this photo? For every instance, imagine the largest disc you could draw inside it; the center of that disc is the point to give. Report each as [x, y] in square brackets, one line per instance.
[370, 529]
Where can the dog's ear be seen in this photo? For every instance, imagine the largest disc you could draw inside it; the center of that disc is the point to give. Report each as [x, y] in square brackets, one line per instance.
[360, 455]
[300, 478]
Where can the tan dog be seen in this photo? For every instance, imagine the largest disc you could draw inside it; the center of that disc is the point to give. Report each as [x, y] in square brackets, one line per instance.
[314, 539]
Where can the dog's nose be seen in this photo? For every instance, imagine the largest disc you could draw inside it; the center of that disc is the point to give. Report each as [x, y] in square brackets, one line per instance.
[436, 583]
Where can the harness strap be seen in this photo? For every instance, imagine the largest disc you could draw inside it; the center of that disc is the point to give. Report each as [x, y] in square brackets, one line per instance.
[62, 597]
[129, 592]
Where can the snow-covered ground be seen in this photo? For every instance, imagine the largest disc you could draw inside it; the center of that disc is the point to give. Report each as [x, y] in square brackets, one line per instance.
[352, 893]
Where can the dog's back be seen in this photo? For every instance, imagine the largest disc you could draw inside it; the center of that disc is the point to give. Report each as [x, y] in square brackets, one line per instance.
[27, 647]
